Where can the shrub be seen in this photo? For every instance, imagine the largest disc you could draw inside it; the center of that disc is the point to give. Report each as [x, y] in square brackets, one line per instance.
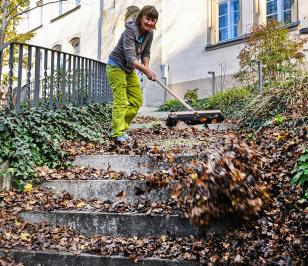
[191, 95]
[271, 44]
[286, 98]
[229, 101]
[171, 105]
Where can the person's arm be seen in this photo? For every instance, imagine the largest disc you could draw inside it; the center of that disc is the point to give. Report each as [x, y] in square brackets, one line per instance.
[145, 57]
[144, 69]
[129, 46]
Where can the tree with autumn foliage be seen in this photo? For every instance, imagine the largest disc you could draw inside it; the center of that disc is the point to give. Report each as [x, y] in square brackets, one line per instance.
[11, 14]
[280, 54]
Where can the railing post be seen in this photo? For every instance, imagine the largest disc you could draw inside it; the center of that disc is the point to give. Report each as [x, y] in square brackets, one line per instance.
[11, 74]
[44, 94]
[82, 81]
[28, 86]
[19, 88]
[69, 77]
[74, 80]
[52, 71]
[37, 78]
[78, 80]
[63, 79]
[58, 78]
[95, 82]
[90, 82]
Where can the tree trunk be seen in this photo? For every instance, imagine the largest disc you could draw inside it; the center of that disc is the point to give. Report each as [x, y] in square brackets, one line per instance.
[4, 20]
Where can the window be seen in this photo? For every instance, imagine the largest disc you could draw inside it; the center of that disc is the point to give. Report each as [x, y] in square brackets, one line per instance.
[280, 10]
[75, 42]
[228, 18]
[60, 8]
[39, 5]
[57, 47]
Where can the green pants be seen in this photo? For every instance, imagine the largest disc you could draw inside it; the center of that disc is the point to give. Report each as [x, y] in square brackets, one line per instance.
[127, 98]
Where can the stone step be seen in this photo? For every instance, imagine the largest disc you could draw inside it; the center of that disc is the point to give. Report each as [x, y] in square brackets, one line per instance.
[128, 163]
[108, 190]
[218, 126]
[53, 258]
[117, 224]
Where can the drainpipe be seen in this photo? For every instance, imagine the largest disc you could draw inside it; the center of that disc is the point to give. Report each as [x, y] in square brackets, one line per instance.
[100, 29]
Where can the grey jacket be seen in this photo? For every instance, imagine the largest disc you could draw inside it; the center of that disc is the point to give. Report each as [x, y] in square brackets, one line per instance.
[129, 48]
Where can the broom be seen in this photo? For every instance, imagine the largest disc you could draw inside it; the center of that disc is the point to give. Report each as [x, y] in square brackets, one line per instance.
[191, 117]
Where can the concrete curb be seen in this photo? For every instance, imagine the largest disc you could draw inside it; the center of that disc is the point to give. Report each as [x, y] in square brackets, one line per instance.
[54, 258]
[116, 224]
[104, 190]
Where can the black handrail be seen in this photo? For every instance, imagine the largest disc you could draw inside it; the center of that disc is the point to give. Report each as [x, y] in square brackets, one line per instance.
[46, 78]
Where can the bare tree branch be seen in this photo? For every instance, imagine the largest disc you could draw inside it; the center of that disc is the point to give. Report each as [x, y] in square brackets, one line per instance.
[28, 10]
[19, 4]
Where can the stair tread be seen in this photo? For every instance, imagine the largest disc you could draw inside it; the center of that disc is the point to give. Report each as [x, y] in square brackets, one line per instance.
[51, 257]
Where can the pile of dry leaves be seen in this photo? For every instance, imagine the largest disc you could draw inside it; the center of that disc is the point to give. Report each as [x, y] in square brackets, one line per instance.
[7, 261]
[225, 181]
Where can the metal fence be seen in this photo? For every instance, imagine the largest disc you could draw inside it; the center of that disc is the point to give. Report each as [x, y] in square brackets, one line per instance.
[37, 77]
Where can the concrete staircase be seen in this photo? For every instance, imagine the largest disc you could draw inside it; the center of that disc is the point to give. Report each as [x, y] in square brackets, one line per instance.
[92, 222]
[132, 224]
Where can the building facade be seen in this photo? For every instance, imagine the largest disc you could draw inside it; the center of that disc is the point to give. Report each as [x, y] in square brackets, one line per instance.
[193, 38]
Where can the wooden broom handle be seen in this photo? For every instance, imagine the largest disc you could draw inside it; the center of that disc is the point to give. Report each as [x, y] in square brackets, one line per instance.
[188, 107]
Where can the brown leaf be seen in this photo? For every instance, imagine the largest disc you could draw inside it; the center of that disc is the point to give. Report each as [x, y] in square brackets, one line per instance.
[121, 194]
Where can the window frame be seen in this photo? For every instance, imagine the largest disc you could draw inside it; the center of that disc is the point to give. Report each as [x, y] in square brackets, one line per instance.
[60, 8]
[280, 11]
[230, 24]
[57, 47]
[74, 41]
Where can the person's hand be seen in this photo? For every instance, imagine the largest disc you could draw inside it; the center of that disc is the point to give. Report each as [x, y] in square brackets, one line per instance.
[150, 74]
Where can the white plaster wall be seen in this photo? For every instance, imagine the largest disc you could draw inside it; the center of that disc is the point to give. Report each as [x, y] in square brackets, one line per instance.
[303, 12]
[82, 23]
[247, 13]
[184, 41]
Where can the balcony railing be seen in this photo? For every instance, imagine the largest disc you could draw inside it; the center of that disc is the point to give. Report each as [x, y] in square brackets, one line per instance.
[40, 78]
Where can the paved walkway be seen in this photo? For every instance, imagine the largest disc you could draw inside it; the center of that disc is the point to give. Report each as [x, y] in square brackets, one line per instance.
[152, 111]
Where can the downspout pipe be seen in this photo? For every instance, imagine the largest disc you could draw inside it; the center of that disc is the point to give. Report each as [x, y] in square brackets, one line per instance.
[100, 30]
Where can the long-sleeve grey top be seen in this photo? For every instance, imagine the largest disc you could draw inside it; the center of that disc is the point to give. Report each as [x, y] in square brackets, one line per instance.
[130, 48]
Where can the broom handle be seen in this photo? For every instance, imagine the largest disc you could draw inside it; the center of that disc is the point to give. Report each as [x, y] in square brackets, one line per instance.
[188, 107]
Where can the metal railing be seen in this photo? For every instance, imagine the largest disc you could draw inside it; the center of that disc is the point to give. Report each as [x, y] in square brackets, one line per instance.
[37, 77]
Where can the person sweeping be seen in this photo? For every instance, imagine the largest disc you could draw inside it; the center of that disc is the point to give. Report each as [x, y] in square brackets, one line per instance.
[132, 52]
